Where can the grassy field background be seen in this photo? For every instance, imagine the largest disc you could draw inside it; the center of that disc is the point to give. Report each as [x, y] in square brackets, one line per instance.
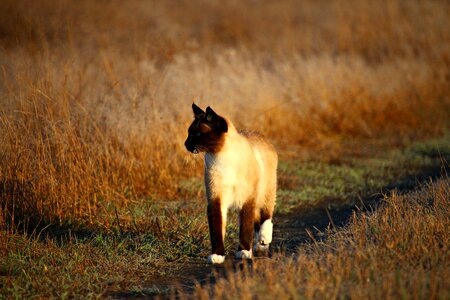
[97, 192]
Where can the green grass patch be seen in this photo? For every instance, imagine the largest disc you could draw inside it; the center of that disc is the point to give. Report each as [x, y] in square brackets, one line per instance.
[353, 178]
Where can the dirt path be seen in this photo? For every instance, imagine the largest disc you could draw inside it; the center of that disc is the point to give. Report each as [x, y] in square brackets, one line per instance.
[290, 231]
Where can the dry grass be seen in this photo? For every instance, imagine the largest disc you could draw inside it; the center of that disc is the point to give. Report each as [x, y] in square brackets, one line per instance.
[95, 101]
[42, 268]
[398, 251]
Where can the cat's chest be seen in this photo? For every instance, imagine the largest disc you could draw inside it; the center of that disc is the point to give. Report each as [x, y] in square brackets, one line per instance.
[223, 169]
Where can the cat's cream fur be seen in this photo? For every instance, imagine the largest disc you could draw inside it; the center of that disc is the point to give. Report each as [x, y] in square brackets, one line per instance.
[241, 175]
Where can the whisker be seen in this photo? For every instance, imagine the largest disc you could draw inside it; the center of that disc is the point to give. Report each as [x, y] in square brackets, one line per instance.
[201, 148]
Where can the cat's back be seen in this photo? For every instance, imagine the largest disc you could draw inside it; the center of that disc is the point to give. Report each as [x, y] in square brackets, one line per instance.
[265, 169]
[260, 144]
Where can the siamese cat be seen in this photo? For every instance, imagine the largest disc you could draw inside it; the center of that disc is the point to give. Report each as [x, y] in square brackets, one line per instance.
[240, 172]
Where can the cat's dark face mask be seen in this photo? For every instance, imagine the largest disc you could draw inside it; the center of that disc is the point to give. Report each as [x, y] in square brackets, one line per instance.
[207, 131]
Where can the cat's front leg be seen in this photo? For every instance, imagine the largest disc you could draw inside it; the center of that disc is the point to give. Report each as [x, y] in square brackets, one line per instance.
[217, 223]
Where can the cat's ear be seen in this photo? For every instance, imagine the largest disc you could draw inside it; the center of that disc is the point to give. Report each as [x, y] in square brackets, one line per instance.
[198, 112]
[210, 114]
[220, 124]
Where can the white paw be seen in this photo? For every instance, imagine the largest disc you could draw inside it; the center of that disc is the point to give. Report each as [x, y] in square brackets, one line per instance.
[244, 254]
[261, 249]
[265, 233]
[216, 259]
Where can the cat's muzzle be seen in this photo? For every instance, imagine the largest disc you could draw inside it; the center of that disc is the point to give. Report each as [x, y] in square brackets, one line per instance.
[191, 148]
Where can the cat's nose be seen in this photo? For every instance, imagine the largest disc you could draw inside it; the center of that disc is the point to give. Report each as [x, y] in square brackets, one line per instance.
[186, 144]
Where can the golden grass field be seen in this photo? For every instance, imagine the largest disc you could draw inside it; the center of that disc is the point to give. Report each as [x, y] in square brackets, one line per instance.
[95, 101]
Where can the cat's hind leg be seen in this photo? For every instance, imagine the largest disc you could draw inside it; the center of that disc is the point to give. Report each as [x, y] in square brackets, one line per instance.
[264, 233]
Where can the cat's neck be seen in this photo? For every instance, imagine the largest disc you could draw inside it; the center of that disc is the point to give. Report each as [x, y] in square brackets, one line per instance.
[231, 138]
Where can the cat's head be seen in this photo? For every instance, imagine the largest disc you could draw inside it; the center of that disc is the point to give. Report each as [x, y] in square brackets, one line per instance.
[207, 131]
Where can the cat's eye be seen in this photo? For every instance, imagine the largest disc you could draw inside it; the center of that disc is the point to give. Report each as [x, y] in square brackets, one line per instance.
[198, 134]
